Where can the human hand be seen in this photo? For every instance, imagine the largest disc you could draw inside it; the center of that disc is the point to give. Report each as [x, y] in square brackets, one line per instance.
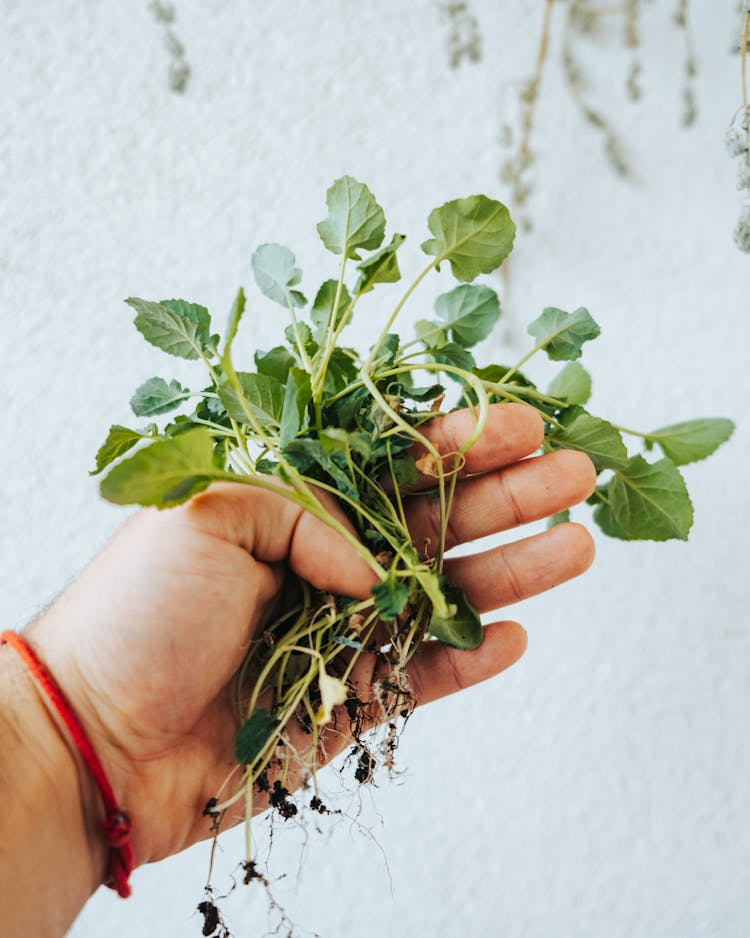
[148, 641]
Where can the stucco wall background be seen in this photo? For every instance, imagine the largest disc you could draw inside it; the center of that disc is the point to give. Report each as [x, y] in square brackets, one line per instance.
[601, 786]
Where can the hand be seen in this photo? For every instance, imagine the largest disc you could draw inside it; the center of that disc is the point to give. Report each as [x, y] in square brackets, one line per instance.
[148, 641]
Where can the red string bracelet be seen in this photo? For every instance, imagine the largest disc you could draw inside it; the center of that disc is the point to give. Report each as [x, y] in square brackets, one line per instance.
[116, 825]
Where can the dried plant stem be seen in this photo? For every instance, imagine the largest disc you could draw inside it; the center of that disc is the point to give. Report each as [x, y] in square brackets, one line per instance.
[514, 170]
[743, 57]
[574, 79]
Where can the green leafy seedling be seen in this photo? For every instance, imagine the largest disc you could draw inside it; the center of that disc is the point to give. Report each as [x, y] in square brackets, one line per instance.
[318, 414]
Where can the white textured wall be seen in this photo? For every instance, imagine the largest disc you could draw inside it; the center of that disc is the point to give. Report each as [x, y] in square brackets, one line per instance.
[601, 787]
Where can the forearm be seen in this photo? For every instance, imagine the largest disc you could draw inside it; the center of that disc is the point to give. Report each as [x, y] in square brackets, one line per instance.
[50, 858]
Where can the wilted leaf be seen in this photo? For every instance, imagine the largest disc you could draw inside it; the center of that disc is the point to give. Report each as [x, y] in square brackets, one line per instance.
[332, 694]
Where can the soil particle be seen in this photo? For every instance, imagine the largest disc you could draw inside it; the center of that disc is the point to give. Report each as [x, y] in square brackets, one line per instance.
[252, 872]
[366, 766]
[210, 808]
[280, 799]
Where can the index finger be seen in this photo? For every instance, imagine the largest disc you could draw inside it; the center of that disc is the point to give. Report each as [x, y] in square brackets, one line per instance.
[512, 432]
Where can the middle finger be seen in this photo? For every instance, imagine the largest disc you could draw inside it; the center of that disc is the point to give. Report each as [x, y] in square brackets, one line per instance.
[526, 491]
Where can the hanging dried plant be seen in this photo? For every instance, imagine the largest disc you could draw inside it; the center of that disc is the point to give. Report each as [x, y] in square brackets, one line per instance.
[179, 70]
[738, 140]
[464, 38]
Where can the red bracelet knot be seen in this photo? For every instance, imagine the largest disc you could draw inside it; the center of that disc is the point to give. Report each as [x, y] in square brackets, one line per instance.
[116, 829]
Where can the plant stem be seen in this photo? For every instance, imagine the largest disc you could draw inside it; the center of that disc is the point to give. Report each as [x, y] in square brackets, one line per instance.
[330, 333]
[645, 436]
[300, 344]
[401, 303]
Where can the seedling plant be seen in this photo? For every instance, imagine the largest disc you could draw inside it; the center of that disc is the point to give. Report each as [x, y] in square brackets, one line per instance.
[316, 415]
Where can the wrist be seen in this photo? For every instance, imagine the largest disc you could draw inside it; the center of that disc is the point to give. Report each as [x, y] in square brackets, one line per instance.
[52, 841]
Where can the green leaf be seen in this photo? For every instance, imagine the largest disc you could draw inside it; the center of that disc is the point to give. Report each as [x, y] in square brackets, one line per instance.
[341, 371]
[650, 501]
[391, 596]
[320, 314]
[176, 327]
[475, 235]
[310, 456]
[388, 350]
[463, 627]
[347, 412]
[453, 354]
[434, 585]
[306, 336]
[275, 363]
[604, 517]
[252, 736]
[560, 517]
[573, 384]
[562, 334]
[334, 439]
[594, 436]
[381, 267]
[355, 220]
[266, 466]
[692, 440]
[180, 424]
[263, 395]
[275, 274]
[235, 314]
[166, 473]
[495, 374]
[155, 396]
[297, 395]
[469, 313]
[430, 333]
[405, 470]
[421, 395]
[119, 440]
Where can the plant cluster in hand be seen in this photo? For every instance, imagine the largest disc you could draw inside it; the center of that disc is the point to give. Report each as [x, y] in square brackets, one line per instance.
[314, 414]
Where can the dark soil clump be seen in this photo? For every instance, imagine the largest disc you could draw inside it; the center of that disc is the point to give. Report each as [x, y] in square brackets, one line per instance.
[281, 801]
[366, 765]
[213, 924]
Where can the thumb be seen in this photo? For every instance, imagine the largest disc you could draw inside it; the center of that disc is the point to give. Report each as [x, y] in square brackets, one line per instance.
[272, 528]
